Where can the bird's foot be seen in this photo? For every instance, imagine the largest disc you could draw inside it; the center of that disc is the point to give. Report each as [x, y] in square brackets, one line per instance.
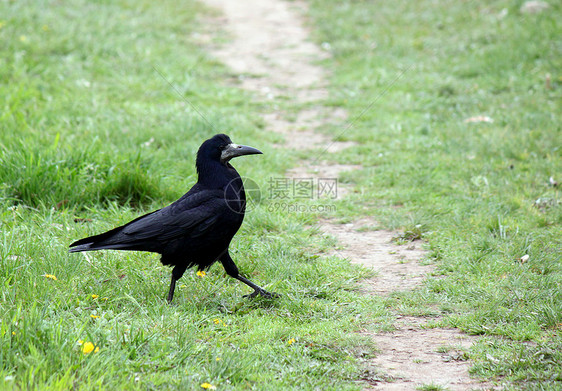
[263, 293]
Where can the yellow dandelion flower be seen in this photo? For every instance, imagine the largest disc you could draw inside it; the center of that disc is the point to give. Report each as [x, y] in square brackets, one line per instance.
[89, 347]
[291, 341]
[95, 296]
[105, 298]
[201, 273]
[208, 386]
[94, 316]
[217, 359]
[51, 276]
[13, 333]
[217, 321]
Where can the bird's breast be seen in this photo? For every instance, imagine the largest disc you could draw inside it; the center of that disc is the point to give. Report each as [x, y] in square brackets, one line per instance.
[235, 197]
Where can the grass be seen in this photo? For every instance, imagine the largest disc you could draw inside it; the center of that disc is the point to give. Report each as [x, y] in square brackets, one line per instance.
[431, 387]
[479, 193]
[92, 135]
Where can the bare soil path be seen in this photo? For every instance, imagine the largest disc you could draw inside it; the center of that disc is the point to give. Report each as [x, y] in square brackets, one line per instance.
[270, 50]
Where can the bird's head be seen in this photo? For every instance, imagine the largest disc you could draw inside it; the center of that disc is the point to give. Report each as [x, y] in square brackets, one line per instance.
[221, 148]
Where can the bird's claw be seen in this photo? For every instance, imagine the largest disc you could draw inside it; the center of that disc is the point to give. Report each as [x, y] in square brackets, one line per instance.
[263, 293]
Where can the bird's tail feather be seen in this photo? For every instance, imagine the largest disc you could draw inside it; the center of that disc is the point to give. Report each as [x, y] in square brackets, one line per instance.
[82, 247]
[92, 246]
[99, 242]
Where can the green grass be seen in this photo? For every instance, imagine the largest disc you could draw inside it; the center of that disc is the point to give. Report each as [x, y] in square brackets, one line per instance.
[478, 193]
[431, 387]
[92, 136]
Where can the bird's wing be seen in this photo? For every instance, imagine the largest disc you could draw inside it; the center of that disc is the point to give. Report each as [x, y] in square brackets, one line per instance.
[192, 216]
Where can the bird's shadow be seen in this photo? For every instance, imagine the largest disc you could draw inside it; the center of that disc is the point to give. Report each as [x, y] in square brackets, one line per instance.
[224, 302]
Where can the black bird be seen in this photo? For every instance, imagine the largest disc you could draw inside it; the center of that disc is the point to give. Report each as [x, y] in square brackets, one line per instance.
[197, 228]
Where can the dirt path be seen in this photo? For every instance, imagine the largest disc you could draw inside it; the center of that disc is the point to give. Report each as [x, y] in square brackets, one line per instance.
[270, 51]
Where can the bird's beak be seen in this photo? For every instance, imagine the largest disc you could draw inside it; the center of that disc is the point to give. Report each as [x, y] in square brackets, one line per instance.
[235, 150]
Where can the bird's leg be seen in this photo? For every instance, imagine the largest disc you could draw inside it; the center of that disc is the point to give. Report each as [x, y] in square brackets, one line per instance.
[257, 289]
[172, 288]
[177, 272]
[232, 271]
